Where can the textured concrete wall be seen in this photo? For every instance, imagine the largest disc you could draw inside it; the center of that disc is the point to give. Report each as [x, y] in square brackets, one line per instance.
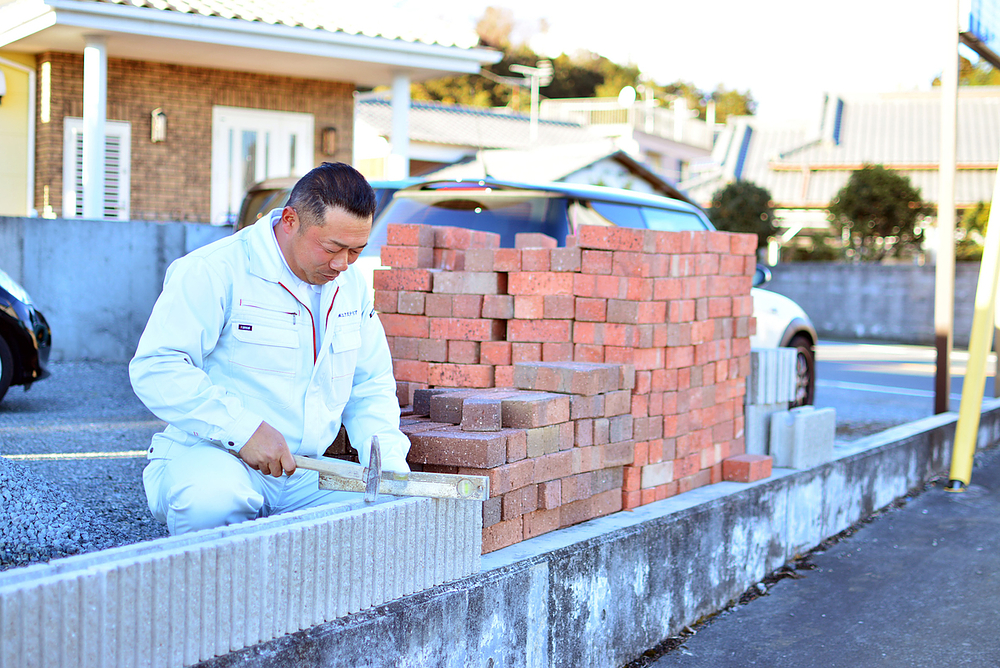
[872, 301]
[174, 601]
[94, 280]
[600, 593]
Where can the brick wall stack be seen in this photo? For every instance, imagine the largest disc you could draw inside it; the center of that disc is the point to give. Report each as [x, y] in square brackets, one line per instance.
[554, 448]
[675, 306]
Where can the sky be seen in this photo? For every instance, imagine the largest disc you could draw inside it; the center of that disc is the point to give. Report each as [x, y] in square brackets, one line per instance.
[787, 53]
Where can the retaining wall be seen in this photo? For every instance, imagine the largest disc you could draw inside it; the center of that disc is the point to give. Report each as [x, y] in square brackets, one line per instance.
[601, 593]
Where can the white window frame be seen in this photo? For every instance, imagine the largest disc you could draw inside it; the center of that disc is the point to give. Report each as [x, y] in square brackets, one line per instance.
[273, 153]
[117, 141]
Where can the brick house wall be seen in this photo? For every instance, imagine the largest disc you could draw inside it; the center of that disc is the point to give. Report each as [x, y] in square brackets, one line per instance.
[171, 180]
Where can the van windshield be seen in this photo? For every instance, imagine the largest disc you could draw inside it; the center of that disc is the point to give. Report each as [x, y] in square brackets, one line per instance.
[503, 212]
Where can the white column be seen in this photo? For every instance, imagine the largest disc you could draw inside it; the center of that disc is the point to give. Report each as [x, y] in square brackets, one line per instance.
[399, 156]
[95, 106]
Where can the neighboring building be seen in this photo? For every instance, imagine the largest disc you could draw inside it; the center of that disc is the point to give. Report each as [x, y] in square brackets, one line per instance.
[196, 100]
[443, 134]
[804, 167]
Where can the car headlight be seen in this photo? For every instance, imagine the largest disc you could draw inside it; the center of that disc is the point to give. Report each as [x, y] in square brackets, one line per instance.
[11, 286]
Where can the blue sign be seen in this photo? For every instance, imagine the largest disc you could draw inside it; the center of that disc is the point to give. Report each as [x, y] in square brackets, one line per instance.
[984, 22]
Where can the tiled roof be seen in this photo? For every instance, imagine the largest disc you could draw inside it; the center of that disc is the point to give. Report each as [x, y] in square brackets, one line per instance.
[456, 125]
[902, 131]
[329, 15]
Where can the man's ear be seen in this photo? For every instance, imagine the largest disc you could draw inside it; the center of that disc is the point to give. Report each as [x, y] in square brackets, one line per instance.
[289, 220]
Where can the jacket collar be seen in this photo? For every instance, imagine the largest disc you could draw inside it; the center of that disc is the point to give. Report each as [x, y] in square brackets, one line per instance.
[264, 259]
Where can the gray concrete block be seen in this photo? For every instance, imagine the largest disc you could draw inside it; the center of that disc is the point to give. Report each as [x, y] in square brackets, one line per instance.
[772, 376]
[757, 425]
[802, 437]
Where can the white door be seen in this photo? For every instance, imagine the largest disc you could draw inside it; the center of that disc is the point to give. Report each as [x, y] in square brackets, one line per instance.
[117, 168]
[250, 145]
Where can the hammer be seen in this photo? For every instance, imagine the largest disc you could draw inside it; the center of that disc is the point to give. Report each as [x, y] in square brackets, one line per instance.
[338, 475]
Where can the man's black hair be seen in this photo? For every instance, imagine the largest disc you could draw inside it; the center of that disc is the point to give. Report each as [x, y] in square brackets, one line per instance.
[332, 184]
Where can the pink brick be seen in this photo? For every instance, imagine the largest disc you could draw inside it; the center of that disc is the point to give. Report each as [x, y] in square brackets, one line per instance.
[535, 259]
[540, 330]
[529, 307]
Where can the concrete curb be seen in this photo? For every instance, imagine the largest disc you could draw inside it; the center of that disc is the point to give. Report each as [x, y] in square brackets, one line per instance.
[176, 601]
[602, 592]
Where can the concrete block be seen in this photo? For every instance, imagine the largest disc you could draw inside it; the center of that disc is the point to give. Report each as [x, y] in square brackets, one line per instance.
[802, 437]
[772, 376]
[757, 426]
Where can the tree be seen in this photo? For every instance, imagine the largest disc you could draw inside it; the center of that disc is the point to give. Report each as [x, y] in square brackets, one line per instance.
[742, 206]
[980, 74]
[877, 214]
[971, 232]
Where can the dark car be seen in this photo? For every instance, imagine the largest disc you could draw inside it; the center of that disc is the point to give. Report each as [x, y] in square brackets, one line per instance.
[272, 193]
[25, 337]
[557, 210]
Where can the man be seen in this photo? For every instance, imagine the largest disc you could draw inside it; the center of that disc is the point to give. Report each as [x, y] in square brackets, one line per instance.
[260, 346]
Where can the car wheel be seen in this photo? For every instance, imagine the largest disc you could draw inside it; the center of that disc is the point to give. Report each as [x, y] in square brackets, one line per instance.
[805, 371]
[6, 367]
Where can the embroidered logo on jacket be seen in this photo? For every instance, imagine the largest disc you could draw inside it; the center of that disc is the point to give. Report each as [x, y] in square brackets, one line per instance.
[347, 314]
[246, 328]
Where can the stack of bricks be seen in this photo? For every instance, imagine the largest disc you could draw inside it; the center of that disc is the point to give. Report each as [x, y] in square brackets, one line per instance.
[676, 306]
[554, 448]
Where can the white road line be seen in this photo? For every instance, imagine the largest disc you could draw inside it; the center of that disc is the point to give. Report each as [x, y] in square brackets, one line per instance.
[83, 426]
[881, 389]
[124, 454]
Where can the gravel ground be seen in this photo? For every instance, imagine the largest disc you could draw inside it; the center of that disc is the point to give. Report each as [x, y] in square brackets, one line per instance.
[51, 508]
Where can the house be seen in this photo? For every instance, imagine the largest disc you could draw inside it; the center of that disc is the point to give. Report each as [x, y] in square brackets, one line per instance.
[195, 101]
[805, 165]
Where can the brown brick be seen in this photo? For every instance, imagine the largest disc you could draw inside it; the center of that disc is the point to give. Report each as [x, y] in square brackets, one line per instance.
[479, 259]
[463, 352]
[582, 407]
[606, 502]
[520, 501]
[446, 407]
[550, 494]
[565, 259]
[540, 522]
[451, 260]
[559, 307]
[543, 440]
[502, 534]
[575, 512]
[467, 306]
[535, 259]
[526, 410]
[517, 444]
[457, 448]
[555, 465]
[591, 310]
[438, 306]
[617, 454]
[432, 350]
[410, 303]
[481, 414]
[617, 403]
[500, 307]
[467, 329]
[405, 234]
[492, 511]
[524, 240]
[386, 301]
[576, 487]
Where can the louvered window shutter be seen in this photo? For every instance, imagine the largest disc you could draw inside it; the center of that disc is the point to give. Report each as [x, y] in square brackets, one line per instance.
[117, 169]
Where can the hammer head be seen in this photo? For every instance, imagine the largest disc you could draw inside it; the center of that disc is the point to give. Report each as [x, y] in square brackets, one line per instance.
[374, 471]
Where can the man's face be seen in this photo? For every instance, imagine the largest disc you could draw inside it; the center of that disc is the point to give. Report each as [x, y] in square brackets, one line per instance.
[319, 251]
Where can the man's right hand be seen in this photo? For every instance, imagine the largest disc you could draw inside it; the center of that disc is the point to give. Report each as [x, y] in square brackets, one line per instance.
[267, 452]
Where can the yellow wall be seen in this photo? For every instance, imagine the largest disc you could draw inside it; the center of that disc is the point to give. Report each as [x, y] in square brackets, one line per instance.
[14, 136]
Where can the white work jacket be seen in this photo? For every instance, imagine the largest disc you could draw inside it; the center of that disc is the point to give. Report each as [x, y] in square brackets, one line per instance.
[228, 345]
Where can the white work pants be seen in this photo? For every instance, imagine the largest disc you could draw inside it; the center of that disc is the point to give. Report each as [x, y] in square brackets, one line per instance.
[203, 487]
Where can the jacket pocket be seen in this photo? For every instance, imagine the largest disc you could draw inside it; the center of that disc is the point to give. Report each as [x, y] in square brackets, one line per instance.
[264, 359]
[346, 341]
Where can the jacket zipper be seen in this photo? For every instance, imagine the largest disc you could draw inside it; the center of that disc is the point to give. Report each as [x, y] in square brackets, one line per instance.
[311, 321]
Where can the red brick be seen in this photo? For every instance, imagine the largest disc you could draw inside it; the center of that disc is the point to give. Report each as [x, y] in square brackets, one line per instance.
[631, 500]
[432, 350]
[592, 236]
[448, 259]
[499, 307]
[591, 310]
[410, 303]
[524, 240]
[418, 280]
[386, 301]
[479, 259]
[494, 352]
[481, 414]
[485, 450]
[575, 487]
[540, 522]
[535, 259]
[616, 454]
[743, 244]
[404, 234]
[575, 512]
[540, 283]
[539, 330]
[503, 376]
[535, 409]
[406, 256]
[553, 351]
[525, 352]
[652, 312]
[452, 237]
[467, 306]
[586, 459]
[459, 375]
[529, 307]
[596, 262]
[632, 478]
[410, 370]
[469, 283]
[605, 503]
[552, 466]
[583, 352]
[517, 444]
[502, 534]
[467, 329]
[746, 468]
[629, 264]
[507, 259]
[503, 478]
[463, 352]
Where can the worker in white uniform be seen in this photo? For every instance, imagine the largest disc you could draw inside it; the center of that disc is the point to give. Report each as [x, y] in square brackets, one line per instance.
[259, 347]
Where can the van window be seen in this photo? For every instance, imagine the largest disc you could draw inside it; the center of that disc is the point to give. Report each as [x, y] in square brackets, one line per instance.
[622, 215]
[669, 220]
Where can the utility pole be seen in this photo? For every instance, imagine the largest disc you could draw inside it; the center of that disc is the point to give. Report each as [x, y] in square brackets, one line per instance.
[538, 76]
